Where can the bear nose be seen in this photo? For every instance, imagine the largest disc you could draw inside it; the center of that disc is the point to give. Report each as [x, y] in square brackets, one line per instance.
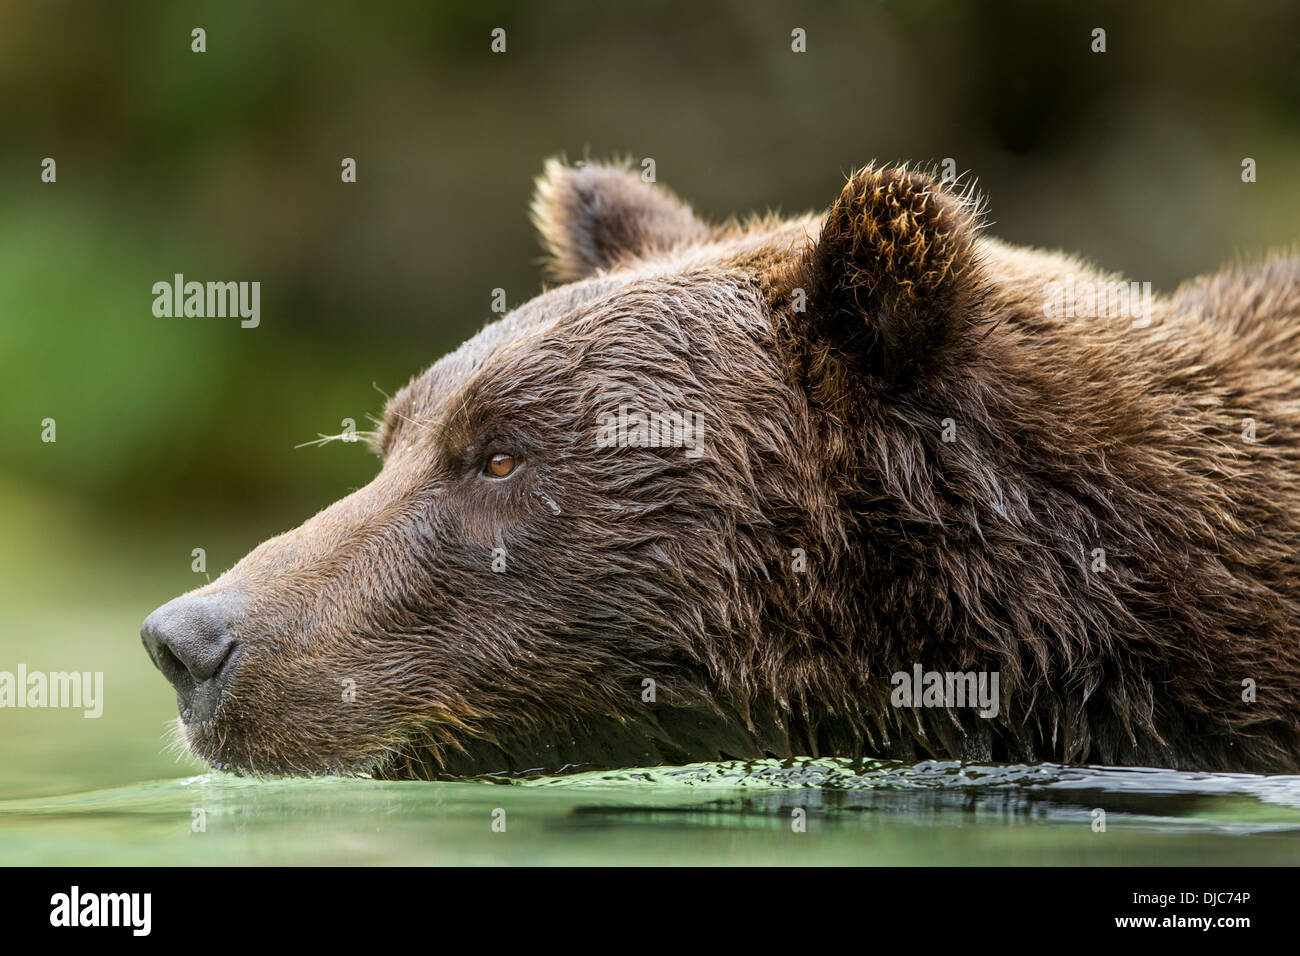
[188, 639]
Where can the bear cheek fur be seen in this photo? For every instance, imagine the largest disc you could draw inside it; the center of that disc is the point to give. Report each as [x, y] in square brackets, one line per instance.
[641, 562]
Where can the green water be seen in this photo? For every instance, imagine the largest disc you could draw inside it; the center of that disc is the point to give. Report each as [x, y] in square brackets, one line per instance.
[115, 790]
[706, 814]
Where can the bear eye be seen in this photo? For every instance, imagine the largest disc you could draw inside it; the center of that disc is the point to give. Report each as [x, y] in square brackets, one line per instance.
[499, 466]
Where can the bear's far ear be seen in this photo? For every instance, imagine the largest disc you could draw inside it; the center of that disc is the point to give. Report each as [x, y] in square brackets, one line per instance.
[591, 216]
[895, 275]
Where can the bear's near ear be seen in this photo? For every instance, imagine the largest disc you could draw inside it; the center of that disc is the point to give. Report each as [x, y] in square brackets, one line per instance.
[895, 275]
[592, 216]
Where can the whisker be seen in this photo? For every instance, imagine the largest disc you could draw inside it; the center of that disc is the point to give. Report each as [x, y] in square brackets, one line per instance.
[369, 437]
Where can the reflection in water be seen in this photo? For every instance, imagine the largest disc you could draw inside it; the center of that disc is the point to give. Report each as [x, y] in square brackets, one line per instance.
[1152, 797]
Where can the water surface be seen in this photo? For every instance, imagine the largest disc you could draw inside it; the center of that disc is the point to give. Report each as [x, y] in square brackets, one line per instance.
[765, 812]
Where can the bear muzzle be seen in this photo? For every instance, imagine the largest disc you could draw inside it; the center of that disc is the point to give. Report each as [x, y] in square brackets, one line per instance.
[189, 640]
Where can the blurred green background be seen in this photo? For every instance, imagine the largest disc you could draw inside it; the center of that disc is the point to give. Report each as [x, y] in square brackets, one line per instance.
[177, 433]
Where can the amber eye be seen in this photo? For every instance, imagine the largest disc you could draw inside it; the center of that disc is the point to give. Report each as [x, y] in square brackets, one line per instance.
[499, 466]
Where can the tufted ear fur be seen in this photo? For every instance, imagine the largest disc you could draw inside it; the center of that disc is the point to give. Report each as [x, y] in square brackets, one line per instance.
[594, 216]
[895, 277]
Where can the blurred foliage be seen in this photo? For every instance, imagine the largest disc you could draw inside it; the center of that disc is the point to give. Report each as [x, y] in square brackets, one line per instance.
[225, 165]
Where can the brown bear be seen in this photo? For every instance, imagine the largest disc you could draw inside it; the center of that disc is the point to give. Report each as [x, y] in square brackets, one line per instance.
[789, 487]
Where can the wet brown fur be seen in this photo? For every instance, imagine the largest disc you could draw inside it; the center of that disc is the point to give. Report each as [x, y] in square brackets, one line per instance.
[824, 433]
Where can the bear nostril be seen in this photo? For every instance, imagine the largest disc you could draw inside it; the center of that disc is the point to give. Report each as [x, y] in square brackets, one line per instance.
[177, 674]
[189, 640]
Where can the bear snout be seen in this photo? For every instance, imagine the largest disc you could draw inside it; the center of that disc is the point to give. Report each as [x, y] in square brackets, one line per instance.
[189, 640]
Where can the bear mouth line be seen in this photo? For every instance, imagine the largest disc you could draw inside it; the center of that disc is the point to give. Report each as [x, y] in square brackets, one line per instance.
[672, 736]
